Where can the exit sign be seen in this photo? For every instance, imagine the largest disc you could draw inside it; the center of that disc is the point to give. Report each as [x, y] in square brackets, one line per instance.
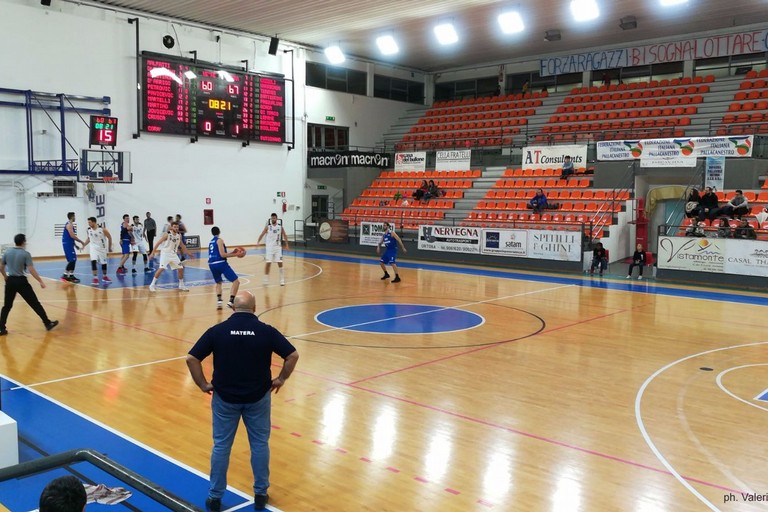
[321, 187]
[330, 118]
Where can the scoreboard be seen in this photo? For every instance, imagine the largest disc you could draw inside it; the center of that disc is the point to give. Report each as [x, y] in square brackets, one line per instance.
[103, 131]
[195, 98]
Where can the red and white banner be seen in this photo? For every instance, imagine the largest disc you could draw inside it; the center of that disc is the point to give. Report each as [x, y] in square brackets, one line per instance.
[414, 161]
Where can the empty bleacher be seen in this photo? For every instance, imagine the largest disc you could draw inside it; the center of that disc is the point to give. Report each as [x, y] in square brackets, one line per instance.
[748, 112]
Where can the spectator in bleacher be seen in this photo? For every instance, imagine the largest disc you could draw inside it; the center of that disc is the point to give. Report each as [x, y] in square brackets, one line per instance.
[432, 191]
[418, 194]
[538, 202]
[638, 260]
[525, 87]
[599, 259]
[737, 206]
[567, 168]
[724, 228]
[745, 231]
[63, 494]
[708, 205]
[695, 229]
[692, 206]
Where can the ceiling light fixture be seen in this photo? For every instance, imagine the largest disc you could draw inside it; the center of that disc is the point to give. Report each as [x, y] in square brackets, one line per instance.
[387, 45]
[511, 22]
[552, 35]
[669, 3]
[628, 23]
[584, 10]
[334, 54]
[446, 34]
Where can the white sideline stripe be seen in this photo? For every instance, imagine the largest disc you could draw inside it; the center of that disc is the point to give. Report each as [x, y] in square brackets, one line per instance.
[644, 431]
[127, 438]
[138, 365]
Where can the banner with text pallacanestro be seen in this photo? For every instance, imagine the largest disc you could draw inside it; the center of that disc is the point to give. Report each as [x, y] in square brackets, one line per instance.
[693, 147]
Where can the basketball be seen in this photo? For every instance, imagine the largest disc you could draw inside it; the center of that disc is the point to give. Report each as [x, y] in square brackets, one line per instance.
[240, 252]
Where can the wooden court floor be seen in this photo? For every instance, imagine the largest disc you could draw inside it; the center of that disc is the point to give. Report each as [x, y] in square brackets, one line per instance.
[572, 394]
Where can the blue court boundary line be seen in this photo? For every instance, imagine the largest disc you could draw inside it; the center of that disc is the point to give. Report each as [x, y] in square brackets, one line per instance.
[596, 282]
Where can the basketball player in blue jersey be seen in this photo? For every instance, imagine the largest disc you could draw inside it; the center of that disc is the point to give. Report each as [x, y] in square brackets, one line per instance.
[68, 239]
[390, 241]
[217, 262]
[126, 240]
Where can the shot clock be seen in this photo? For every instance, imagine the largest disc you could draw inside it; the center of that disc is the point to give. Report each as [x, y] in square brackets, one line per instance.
[195, 98]
[103, 131]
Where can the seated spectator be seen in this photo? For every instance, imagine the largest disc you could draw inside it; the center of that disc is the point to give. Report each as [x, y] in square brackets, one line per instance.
[567, 168]
[745, 231]
[599, 259]
[737, 206]
[708, 205]
[695, 229]
[638, 260]
[538, 202]
[432, 191]
[724, 229]
[418, 194]
[692, 206]
[63, 494]
[525, 87]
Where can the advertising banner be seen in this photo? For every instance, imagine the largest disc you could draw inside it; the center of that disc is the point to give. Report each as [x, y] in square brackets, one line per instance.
[723, 45]
[715, 172]
[746, 257]
[332, 159]
[414, 161]
[505, 242]
[371, 232]
[695, 254]
[537, 157]
[693, 147]
[554, 245]
[456, 160]
[449, 239]
[668, 161]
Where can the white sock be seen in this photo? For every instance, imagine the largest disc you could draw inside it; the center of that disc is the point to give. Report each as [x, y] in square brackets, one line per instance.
[282, 272]
[181, 282]
[154, 280]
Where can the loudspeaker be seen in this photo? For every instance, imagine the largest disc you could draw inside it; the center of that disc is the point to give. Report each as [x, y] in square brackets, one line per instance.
[46, 3]
[273, 45]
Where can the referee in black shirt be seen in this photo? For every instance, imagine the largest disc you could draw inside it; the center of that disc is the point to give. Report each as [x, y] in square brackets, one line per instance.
[13, 264]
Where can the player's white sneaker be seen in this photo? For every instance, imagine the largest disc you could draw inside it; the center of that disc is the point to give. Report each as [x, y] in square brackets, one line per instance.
[219, 305]
[183, 288]
[282, 282]
[266, 280]
[152, 288]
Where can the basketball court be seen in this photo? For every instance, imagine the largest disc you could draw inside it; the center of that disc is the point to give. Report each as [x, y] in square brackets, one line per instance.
[460, 388]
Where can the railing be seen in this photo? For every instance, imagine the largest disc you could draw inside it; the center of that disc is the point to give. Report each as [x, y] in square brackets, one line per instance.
[133, 479]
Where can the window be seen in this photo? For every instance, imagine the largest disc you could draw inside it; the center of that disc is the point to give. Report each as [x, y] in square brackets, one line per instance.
[730, 66]
[64, 188]
[321, 136]
[398, 89]
[335, 78]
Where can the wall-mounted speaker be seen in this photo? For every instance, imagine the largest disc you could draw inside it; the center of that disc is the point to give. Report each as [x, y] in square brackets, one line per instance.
[273, 45]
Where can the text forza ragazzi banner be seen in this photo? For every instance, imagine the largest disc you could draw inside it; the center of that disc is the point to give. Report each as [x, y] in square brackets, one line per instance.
[415, 161]
[538, 157]
[318, 160]
[721, 256]
[457, 160]
[449, 239]
[724, 45]
[694, 147]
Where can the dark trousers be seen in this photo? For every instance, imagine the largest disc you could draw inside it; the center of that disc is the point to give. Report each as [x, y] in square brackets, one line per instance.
[21, 286]
[151, 239]
[633, 265]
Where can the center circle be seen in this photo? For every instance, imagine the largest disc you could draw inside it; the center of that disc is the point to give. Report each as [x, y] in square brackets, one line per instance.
[399, 318]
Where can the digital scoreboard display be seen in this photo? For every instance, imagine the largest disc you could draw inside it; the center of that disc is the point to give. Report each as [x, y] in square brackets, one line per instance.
[186, 98]
[103, 131]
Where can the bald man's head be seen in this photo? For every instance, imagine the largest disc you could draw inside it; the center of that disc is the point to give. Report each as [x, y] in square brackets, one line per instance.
[245, 302]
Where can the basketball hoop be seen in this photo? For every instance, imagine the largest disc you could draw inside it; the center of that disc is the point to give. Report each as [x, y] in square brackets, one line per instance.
[109, 182]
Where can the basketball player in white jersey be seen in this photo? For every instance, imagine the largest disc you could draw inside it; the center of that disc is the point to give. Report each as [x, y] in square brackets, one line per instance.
[100, 241]
[168, 245]
[140, 244]
[275, 241]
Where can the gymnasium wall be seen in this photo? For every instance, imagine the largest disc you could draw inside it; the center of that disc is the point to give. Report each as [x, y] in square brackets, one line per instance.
[80, 50]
